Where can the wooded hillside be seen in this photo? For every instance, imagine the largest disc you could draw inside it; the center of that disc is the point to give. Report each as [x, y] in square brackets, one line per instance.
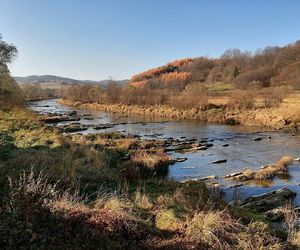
[267, 67]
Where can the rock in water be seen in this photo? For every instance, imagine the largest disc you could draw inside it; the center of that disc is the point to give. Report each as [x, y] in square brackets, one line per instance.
[219, 161]
[267, 201]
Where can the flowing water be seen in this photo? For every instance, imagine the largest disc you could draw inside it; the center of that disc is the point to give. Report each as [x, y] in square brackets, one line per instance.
[241, 153]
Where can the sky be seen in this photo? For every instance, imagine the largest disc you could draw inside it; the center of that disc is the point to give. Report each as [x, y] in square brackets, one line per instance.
[97, 39]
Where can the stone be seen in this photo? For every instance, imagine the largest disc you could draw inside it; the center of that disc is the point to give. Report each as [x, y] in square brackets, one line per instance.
[275, 215]
[179, 159]
[233, 175]
[210, 177]
[102, 126]
[267, 201]
[219, 161]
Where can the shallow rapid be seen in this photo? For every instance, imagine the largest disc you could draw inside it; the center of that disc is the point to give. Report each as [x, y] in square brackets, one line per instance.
[233, 143]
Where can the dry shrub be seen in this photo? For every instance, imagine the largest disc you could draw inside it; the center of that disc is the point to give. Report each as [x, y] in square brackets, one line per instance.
[242, 99]
[37, 216]
[248, 174]
[218, 230]
[272, 97]
[142, 200]
[167, 220]
[291, 216]
[164, 201]
[185, 101]
[144, 163]
[139, 84]
[150, 159]
[266, 173]
[177, 201]
[213, 229]
[257, 235]
[283, 163]
[272, 170]
[28, 193]
[296, 240]
[261, 74]
[113, 202]
[176, 80]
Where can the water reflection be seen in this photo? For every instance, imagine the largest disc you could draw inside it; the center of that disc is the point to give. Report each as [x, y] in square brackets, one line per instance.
[241, 152]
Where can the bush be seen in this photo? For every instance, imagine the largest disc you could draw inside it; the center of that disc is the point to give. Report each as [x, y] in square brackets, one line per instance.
[272, 97]
[242, 99]
[213, 229]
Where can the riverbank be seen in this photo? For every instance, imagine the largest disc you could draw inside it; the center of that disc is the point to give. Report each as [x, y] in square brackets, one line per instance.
[71, 188]
[281, 117]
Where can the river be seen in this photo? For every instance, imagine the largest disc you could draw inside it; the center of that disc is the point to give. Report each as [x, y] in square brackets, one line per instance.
[242, 152]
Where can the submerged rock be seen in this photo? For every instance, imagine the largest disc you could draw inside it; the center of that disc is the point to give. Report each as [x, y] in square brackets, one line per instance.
[73, 113]
[102, 126]
[233, 175]
[210, 177]
[73, 127]
[236, 185]
[275, 215]
[219, 161]
[88, 118]
[268, 201]
[58, 118]
[179, 159]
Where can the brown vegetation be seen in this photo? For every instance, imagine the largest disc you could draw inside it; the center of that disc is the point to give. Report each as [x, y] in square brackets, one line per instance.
[35, 91]
[240, 83]
[78, 205]
[266, 172]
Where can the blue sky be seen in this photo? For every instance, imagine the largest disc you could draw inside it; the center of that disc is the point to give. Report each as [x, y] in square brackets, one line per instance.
[97, 39]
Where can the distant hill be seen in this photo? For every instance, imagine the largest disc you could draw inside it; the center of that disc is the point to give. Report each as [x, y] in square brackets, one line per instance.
[268, 67]
[60, 80]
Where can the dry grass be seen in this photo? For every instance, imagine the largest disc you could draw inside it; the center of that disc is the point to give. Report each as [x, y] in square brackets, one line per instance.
[166, 220]
[296, 240]
[272, 170]
[286, 115]
[257, 236]
[146, 163]
[142, 200]
[267, 172]
[248, 174]
[291, 216]
[283, 163]
[213, 229]
[149, 159]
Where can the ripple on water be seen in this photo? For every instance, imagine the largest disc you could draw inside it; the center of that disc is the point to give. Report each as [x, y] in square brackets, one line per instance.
[241, 152]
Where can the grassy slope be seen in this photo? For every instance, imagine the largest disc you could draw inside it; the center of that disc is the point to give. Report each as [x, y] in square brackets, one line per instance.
[93, 206]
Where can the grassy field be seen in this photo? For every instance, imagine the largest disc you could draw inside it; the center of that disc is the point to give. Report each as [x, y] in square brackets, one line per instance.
[84, 191]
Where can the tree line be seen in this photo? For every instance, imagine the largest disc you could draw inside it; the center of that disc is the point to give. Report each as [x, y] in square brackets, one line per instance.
[266, 74]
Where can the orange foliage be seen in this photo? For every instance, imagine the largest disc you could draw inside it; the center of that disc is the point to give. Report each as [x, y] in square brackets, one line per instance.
[169, 67]
[181, 62]
[138, 84]
[175, 77]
